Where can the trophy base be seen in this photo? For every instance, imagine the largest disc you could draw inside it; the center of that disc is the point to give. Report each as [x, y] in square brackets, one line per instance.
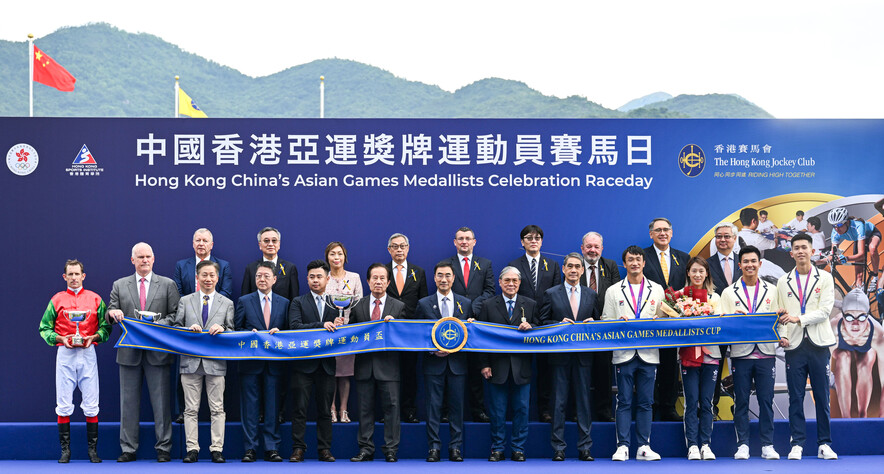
[77, 340]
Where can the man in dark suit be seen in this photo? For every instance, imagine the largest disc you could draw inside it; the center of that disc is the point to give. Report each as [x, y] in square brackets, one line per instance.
[409, 285]
[204, 310]
[309, 311]
[723, 264]
[474, 279]
[185, 270]
[571, 302]
[508, 374]
[262, 310]
[287, 284]
[665, 266]
[541, 273]
[377, 372]
[444, 373]
[146, 291]
[599, 274]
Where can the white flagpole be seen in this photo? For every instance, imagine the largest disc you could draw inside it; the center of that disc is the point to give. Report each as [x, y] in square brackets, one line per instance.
[31, 75]
[176, 97]
[321, 96]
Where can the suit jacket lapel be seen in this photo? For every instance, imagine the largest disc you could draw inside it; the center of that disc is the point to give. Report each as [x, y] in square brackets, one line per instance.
[133, 290]
[623, 286]
[152, 291]
[258, 304]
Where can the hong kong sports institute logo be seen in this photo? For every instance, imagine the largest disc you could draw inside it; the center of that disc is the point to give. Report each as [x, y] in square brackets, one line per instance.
[691, 160]
[22, 159]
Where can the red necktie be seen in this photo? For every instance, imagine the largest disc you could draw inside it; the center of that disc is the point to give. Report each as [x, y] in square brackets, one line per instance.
[592, 283]
[376, 312]
[466, 272]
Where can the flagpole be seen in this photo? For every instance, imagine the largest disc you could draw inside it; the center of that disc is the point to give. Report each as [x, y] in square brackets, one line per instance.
[176, 97]
[321, 96]
[31, 75]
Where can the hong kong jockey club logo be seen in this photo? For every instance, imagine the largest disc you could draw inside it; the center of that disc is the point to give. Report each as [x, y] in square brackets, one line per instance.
[84, 164]
[449, 334]
[22, 159]
[691, 160]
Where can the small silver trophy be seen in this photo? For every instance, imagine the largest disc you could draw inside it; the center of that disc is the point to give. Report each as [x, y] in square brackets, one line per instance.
[147, 315]
[340, 302]
[77, 316]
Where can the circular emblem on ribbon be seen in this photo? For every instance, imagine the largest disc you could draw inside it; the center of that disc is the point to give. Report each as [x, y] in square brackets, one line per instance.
[449, 334]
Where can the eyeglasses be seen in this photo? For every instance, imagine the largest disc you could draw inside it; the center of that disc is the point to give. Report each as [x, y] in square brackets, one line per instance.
[397, 246]
[270, 241]
[724, 237]
[662, 230]
[263, 276]
[532, 238]
[861, 317]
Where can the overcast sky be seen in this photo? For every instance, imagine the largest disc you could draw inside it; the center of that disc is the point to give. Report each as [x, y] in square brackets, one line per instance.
[795, 59]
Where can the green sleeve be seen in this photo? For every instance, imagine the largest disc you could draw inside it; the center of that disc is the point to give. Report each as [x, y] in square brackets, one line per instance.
[47, 325]
[104, 327]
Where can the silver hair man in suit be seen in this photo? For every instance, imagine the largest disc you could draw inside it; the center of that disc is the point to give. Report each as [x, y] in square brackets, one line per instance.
[145, 291]
[205, 309]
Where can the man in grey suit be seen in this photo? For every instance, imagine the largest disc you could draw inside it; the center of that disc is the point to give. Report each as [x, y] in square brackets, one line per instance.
[204, 309]
[378, 371]
[145, 291]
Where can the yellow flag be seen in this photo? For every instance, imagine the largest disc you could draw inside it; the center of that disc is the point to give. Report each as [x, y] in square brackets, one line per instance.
[186, 106]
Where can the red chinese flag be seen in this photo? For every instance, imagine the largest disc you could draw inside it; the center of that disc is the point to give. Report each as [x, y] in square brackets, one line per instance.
[50, 73]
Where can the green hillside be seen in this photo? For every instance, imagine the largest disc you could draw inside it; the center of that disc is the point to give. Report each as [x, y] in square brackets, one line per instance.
[121, 74]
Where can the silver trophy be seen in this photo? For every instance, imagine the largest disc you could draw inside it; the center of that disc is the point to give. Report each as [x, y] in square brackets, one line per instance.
[341, 302]
[77, 316]
[147, 315]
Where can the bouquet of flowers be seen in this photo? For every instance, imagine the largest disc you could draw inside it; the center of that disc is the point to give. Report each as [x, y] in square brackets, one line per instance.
[688, 302]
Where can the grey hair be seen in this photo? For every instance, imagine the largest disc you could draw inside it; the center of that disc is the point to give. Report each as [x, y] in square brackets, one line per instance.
[592, 233]
[141, 244]
[395, 236]
[510, 269]
[269, 229]
[203, 230]
[729, 225]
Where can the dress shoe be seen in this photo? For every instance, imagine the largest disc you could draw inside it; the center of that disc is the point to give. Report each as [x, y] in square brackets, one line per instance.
[297, 455]
[191, 456]
[127, 457]
[481, 417]
[281, 418]
[454, 455]
[433, 455]
[390, 457]
[218, 457]
[604, 417]
[325, 455]
[585, 455]
[409, 418]
[545, 418]
[558, 456]
[249, 456]
[362, 457]
[260, 419]
[496, 456]
[163, 456]
[179, 419]
[670, 415]
[444, 418]
[272, 456]
[518, 456]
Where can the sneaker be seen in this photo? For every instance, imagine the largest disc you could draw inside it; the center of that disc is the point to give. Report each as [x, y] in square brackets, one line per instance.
[645, 453]
[707, 453]
[825, 452]
[768, 452]
[694, 453]
[795, 453]
[742, 452]
[622, 454]
[873, 284]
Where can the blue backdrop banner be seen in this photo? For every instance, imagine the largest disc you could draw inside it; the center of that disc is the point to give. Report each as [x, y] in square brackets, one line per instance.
[450, 334]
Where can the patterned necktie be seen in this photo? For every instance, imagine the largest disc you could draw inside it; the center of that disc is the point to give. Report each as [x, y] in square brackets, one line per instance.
[509, 309]
[466, 272]
[142, 294]
[266, 311]
[400, 279]
[205, 309]
[574, 303]
[376, 312]
[445, 313]
[728, 272]
[664, 265]
[534, 272]
[592, 282]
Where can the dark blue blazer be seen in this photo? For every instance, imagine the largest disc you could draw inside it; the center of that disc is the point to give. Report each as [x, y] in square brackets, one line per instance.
[250, 315]
[494, 311]
[678, 262]
[718, 274]
[481, 283]
[427, 308]
[286, 279]
[549, 274]
[557, 306]
[303, 315]
[185, 276]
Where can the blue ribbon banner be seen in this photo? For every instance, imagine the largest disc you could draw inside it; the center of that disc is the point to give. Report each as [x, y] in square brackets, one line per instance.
[451, 334]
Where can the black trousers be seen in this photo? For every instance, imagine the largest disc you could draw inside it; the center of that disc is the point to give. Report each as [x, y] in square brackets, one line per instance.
[324, 385]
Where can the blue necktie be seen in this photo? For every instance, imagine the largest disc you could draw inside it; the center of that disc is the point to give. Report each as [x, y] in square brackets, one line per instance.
[509, 309]
[205, 309]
